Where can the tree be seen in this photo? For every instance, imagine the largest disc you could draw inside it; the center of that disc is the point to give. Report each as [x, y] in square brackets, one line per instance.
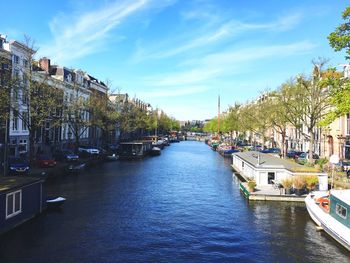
[340, 38]
[34, 98]
[339, 96]
[76, 109]
[307, 102]
[103, 115]
[278, 115]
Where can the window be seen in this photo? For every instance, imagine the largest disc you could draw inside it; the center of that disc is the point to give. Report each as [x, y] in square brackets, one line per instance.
[24, 97]
[4, 66]
[16, 74]
[24, 121]
[15, 121]
[25, 63]
[270, 177]
[25, 80]
[341, 211]
[13, 204]
[15, 59]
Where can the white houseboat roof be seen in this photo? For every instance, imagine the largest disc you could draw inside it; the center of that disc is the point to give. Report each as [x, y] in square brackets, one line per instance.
[343, 195]
[267, 161]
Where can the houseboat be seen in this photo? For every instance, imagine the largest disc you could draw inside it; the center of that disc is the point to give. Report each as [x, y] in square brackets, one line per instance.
[21, 198]
[134, 150]
[266, 169]
[329, 210]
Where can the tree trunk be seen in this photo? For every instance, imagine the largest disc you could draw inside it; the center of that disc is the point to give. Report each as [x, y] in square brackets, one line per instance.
[31, 146]
[284, 150]
[311, 146]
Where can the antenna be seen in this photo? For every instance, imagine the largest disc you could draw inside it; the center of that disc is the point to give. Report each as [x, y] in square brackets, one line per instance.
[219, 114]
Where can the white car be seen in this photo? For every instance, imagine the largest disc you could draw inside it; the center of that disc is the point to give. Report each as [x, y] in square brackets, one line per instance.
[89, 150]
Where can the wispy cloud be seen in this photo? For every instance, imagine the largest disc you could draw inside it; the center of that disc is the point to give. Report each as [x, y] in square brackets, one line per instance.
[225, 31]
[77, 35]
[174, 91]
[210, 68]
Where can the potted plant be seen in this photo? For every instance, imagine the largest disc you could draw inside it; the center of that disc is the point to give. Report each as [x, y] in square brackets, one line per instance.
[287, 185]
[251, 185]
[299, 184]
[311, 182]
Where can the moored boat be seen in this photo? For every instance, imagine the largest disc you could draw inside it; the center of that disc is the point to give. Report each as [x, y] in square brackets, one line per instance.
[155, 151]
[55, 202]
[329, 212]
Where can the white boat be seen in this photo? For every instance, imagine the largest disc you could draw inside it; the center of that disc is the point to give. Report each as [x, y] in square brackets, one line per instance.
[55, 202]
[329, 210]
[155, 151]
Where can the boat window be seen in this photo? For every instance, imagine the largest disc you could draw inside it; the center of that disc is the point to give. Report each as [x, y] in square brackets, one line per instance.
[13, 203]
[341, 211]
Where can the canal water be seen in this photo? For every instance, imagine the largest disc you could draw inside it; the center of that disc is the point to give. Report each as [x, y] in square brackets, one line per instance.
[182, 206]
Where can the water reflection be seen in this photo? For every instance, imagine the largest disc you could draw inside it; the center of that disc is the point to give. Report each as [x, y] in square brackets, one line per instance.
[183, 206]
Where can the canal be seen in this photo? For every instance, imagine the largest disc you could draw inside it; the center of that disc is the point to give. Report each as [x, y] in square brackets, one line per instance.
[182, 206]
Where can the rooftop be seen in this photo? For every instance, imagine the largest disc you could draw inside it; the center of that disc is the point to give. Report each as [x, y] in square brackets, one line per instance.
[9, 182]
[269, 161]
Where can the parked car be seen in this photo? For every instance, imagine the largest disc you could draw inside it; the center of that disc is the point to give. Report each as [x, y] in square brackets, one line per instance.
[18, 166]
[304, 157]
[66, 155]
[45, 161]
[272, 150]
[86, 150]
[294, 154]
[343, 165]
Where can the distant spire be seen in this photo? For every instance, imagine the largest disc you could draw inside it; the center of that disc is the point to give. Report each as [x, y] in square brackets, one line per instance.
[219, 113]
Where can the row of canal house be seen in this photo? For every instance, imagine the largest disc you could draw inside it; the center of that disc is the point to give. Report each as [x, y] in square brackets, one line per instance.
[17, 62]
[21, 198]
[333, 139]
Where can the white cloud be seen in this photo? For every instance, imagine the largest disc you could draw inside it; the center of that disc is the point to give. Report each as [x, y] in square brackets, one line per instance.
[225, 31]
[209, 69]
[173, 91]
[77, 35]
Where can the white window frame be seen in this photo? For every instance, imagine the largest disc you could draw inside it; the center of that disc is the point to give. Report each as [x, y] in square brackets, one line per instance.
[15, 122]
[339, 207]
[14, 213]
[15, 59]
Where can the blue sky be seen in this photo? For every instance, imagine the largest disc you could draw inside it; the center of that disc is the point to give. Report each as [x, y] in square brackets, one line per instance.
[179, 55]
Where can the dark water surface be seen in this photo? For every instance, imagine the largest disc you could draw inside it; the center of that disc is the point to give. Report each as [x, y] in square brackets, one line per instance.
[183, 206]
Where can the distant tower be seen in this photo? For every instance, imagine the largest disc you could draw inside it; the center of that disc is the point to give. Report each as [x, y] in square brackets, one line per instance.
[219, 114]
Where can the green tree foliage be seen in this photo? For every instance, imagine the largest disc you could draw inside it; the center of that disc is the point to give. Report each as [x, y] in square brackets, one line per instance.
[103, 114]
[340, 38]
[305, 101]
[76, 109]
[211, 126]
[33, 100]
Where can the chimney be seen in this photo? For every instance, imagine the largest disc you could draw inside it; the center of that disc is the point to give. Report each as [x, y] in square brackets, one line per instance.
[44, 64]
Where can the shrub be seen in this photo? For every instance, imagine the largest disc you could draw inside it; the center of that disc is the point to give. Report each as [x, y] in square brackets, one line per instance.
[311, 181]
[287, 183]
[322, 162]
[251, 185]
[299, 182]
